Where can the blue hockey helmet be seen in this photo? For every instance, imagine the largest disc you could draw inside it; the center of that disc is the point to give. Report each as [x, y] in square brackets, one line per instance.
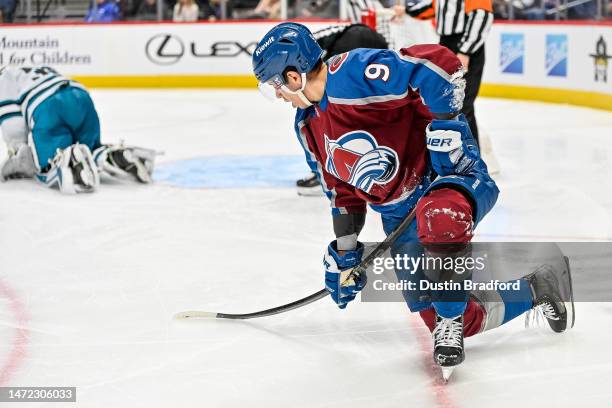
[286, 45]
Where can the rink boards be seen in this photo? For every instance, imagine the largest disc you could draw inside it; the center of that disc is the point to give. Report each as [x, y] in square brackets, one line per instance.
[550, 62]
[553, 62]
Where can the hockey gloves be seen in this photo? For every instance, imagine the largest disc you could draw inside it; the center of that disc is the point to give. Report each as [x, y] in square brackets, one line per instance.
[19, 164]
[338, 268]
[451, 146]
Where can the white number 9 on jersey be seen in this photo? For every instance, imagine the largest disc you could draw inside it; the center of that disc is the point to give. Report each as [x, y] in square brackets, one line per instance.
[376, 71]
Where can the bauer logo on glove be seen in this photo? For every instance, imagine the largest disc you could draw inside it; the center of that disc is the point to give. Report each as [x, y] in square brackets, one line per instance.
[443, 140]
[451, 146]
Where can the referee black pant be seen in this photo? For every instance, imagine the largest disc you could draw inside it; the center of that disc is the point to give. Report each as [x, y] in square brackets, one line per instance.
[473, 77]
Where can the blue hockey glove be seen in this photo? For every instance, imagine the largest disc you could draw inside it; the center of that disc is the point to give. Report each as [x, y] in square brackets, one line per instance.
[337, 270]
[451, 146]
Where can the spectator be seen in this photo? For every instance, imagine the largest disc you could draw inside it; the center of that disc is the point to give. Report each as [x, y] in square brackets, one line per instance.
[530, 10]
[145, 10]
[7, 10]
[323, 8]
[185, 10]
[500, 9]
[266, 9]
[212, 9]
[583, 11]
[103, 11]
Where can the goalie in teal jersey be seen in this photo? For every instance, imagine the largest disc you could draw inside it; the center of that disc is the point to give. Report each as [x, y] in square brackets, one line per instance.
[52, 132]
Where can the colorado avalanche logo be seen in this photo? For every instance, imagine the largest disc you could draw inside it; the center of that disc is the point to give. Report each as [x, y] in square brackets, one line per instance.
[357, 159]
[336, 62]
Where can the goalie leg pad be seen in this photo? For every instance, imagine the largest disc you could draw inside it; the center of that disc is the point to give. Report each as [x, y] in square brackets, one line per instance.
[72, 170]
[126, 162]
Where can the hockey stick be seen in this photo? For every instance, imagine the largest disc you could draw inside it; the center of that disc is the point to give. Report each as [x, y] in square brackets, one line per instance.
[361, 268]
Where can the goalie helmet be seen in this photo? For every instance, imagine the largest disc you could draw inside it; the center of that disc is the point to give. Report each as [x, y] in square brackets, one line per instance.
[286, 45]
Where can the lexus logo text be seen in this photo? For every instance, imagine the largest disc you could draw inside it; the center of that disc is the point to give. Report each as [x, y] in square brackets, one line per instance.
[168, 49]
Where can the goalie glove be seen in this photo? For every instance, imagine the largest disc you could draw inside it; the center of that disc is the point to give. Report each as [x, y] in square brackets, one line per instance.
[126, 162]
[72, 170]
[337, 270]
[19, 164]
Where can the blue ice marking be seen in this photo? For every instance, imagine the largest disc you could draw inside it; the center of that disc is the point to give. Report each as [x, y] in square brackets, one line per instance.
[232, 171]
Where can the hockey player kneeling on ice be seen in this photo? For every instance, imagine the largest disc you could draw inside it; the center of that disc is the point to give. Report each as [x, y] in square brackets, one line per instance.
[52, 132]
[381, 127]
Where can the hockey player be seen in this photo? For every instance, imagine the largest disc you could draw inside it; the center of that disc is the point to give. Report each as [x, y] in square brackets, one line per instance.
[336, 40]
[339, 39]
[381, 127]
[51, 127]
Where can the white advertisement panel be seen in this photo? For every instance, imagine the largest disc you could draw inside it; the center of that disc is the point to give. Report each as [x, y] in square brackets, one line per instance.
[564, 58]
[558, 56]
[137, 49]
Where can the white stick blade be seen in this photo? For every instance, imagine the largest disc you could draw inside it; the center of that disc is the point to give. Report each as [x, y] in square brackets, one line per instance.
[195, 314]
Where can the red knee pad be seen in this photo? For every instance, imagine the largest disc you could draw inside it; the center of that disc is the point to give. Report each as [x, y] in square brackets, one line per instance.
[473, 318]
[444, 217]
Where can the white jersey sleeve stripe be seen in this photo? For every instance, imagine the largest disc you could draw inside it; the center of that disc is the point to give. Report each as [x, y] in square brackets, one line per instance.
[367, 100]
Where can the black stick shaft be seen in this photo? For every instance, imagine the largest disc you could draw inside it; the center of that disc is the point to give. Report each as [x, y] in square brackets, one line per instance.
[361, 268]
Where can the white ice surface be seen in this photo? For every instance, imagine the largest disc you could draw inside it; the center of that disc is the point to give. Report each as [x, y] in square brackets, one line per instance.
[89, 283]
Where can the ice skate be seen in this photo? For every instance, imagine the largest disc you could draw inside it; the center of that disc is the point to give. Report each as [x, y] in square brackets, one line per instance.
[448, 344]
[309, 186]
[553, 297]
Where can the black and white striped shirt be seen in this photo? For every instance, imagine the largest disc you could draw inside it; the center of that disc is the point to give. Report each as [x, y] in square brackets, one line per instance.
[473, 18]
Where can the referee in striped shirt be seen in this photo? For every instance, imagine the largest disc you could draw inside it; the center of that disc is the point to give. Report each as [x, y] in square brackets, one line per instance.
[463, 26]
